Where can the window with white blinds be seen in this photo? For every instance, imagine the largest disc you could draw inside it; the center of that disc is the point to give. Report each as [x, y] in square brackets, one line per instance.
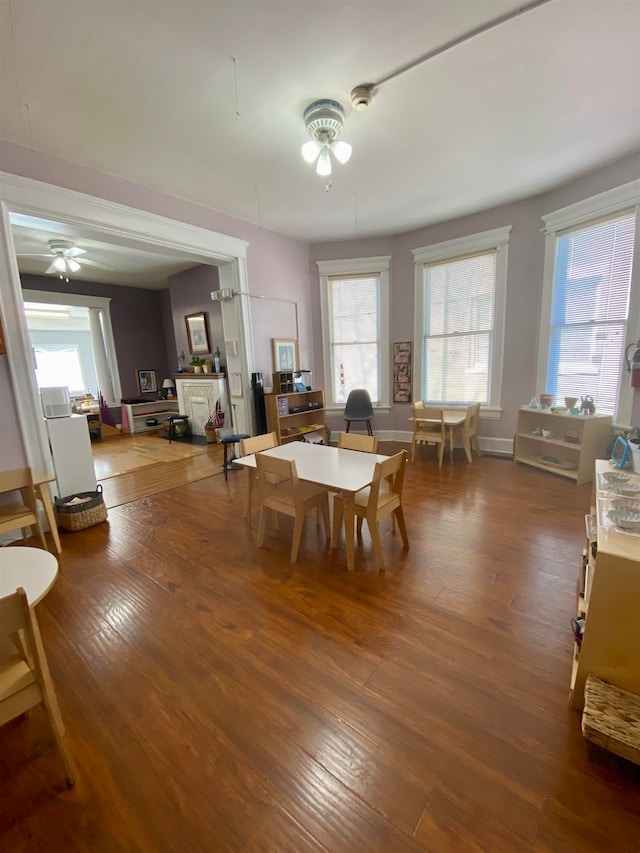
[460, 296]
[590, 310]
[458, 320]
[354, 319]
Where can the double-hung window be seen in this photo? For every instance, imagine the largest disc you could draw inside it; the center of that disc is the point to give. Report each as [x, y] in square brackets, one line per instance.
[588, 305]
[355, 311]
[460, 288]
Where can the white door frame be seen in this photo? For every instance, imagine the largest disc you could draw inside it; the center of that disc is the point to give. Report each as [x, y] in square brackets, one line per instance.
[127, 226]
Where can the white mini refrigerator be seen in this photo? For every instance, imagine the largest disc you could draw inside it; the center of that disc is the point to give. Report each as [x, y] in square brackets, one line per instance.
[72, 456]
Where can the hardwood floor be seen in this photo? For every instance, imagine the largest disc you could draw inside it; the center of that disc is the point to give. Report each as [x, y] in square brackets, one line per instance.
[135, 466]
[217, 698]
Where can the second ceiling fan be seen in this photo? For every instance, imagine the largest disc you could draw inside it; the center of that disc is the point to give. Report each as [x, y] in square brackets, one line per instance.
[66, 258]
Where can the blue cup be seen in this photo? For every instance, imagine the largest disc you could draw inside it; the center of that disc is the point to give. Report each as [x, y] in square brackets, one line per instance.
[574, 411]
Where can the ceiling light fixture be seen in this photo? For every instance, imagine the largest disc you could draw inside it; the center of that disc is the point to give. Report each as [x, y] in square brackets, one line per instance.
[324, 121]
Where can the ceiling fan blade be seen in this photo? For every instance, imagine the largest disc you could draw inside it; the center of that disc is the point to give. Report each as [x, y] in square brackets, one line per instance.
[38, 255]
[74, 252]
[53, 268]
[86, 262]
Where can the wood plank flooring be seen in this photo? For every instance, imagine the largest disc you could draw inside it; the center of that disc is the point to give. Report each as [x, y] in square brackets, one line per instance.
[136, 466]
[218, 699]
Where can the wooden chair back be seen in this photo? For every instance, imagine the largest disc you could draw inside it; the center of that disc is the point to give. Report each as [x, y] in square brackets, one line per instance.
[428, 433]
[383, 497]
[24, 673]
[282, 491]
[255, 444]
[23, 514]
[355, 441]
[468, 431]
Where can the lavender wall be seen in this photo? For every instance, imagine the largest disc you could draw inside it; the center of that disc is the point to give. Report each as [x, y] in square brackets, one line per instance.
[524, 283]
[136, 318]
[190, 293]
[281, 268]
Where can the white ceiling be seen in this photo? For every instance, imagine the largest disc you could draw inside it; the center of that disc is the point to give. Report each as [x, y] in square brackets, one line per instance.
[148, 90]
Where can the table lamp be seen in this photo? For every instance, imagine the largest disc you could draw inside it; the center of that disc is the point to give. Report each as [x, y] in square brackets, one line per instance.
[167, 388]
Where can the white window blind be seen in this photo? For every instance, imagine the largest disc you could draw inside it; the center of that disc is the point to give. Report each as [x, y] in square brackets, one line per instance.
[354, 333]
[590, 310]
[459, 297]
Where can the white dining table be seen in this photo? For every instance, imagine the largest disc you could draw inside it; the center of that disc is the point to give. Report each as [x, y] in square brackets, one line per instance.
[33, 569]
[452, 418]
[337, 469]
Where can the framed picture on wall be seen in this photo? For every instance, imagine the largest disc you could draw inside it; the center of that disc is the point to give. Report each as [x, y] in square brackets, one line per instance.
[197, 334]
[285, 355]
[147, 381]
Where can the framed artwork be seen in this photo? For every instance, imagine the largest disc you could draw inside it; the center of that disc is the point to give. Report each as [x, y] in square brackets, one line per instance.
[197, 334]
[402, 372]
[147, 381]
[285, 355]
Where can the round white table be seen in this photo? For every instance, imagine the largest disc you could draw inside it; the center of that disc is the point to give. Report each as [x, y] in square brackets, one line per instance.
[33, 569]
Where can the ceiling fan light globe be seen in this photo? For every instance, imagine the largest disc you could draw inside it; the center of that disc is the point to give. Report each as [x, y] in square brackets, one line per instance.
[342, 151]
[59, 264]
[72, 266]
[324, 163]
[310, 151]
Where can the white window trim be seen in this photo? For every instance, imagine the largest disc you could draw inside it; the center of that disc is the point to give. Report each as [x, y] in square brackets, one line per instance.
[595, 207]
[357, 266]
[498, 239]
[103, 304]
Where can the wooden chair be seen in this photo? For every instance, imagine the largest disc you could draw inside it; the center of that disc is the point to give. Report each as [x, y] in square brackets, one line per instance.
[354, 441]
[24, 514]
[289, 496]
[469, 431]
[24, 674]
[428, 433]
[254, 445]
[383, 497]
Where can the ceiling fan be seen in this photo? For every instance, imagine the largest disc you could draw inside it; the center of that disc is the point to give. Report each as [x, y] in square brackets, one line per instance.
[67, 258]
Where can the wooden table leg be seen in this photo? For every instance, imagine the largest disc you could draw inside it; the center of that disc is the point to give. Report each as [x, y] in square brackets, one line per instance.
[42, 491]
[349, 521]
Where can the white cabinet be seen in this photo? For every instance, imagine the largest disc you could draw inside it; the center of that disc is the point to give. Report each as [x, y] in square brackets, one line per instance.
[570, 446]
[135, 415]
[609, 593]
[72, 456]
[197, 397]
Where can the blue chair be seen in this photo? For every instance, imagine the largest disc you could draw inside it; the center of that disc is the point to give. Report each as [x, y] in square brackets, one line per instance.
[359, 408]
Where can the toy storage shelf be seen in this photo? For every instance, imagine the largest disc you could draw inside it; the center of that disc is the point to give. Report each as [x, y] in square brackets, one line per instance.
[290, 416]
[571, 448]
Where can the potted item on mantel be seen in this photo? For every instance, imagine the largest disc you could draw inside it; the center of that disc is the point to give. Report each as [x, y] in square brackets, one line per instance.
[196, 363]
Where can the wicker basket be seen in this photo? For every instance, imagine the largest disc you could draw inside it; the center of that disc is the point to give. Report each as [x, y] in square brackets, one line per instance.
[78, 516]
[210, 433]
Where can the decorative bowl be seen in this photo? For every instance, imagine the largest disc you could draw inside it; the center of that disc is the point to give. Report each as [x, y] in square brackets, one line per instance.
[615, 477]
[546, 400]
[570, 402]
[627, 490]
[626, 504]
[625, 519]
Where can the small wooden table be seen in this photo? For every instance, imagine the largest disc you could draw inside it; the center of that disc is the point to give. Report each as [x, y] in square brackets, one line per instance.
[33, 569]
[337, 469]
[40, 483]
